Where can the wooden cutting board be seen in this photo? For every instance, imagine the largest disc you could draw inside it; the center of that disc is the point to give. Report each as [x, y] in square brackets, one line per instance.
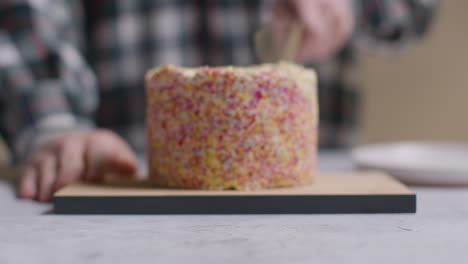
[356, 192]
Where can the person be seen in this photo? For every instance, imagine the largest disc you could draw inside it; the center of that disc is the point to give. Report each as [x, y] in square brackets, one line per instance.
[57, 58]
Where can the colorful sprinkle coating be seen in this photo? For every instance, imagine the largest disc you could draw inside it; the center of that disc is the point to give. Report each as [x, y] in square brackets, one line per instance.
[232, 128]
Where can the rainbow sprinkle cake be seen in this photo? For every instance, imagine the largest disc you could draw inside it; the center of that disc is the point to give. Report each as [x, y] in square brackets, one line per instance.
[231, 127]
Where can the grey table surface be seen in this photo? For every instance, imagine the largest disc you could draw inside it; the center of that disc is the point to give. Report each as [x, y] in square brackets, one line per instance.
[437, 233]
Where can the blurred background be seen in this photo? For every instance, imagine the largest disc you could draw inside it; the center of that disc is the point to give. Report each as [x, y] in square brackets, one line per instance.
[420, 94]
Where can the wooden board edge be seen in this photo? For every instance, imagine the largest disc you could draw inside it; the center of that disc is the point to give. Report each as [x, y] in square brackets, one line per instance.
[343, 204]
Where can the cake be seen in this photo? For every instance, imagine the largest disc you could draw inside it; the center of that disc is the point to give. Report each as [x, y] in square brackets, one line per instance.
[241, 128]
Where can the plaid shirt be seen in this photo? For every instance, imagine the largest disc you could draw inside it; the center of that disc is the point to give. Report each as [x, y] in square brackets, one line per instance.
[68, 65]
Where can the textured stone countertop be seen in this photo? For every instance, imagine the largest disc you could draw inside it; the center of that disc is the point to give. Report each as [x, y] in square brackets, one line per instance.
[437, 233]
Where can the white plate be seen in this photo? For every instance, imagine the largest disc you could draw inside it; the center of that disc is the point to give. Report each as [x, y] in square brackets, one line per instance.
[427, 163]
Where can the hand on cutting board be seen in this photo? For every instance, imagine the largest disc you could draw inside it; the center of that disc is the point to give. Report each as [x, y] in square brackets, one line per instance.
[328, 25]
[74, 156]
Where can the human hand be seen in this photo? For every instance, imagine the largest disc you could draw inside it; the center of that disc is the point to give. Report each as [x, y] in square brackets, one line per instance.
[328, 25]
[74, 156]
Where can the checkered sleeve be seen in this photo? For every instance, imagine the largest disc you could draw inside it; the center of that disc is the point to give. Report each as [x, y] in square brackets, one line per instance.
[391, 24]
[46, 87]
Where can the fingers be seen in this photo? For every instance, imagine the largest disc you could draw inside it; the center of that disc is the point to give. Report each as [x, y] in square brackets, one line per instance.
[122, 165]
[309, 13]
[71, 164]
[96, 156]
[27, 187]
[74, 156]
[108, 153]
[47, 173]
[345, 21]
[52, 166]
[38, 176]
[318, 36]
[125, 162]
[328, 26]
